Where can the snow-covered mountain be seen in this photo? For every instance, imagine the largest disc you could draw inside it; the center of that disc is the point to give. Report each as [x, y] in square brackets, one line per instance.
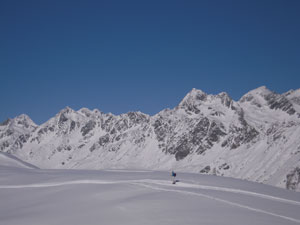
[255, 138]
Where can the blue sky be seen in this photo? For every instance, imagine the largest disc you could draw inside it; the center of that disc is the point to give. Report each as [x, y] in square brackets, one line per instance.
[120, 56]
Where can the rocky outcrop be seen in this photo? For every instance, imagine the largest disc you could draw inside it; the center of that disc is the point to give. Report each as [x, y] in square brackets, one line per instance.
[293, 180]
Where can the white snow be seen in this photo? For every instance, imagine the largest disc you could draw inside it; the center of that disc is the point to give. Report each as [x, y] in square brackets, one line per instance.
[71, 197]
[10, 160]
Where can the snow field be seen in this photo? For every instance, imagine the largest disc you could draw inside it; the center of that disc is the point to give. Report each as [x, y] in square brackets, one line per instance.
[34, 196]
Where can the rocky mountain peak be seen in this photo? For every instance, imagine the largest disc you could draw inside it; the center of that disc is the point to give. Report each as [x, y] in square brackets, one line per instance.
[66, 110]
[263, 97]
[262, 91]
[256, 94]
[23, 120]
[96, 111]
[15, 132]
[5, 122]
[225, 99]
[85, 111]
[196, 92]
[198, 101]
[293, 92]
[293, 96]
[193, 96]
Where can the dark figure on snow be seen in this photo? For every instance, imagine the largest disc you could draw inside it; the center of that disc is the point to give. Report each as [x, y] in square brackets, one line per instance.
[174, 177]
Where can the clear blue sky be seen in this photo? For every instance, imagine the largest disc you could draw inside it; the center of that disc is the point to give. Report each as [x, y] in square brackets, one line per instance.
[120, 56]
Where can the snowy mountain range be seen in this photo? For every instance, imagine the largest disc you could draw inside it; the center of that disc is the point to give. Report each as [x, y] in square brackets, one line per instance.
[256, 138]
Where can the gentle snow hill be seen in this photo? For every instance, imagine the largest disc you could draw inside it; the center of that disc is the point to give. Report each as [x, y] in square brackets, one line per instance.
[255, 138]
[12, 161]
[76, 197]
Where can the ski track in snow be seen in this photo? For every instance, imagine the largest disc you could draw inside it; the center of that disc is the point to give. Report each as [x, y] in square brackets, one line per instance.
[232, 190]
[126, 171]
[159, 182]
[148, 183]
[222, 200]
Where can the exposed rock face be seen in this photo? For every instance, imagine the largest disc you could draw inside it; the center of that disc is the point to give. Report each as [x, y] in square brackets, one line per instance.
[255, 138]
[87, 127]
[293, 180]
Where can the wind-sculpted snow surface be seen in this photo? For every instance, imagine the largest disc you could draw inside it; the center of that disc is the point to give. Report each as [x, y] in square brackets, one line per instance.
[37, 196]
[255, 138]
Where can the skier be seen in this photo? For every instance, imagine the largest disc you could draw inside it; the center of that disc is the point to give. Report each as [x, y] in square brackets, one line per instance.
[174, 177]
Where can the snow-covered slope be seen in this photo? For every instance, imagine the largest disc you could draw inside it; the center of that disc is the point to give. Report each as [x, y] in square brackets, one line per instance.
[124, 197]
[12, 161]
[255, 138]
